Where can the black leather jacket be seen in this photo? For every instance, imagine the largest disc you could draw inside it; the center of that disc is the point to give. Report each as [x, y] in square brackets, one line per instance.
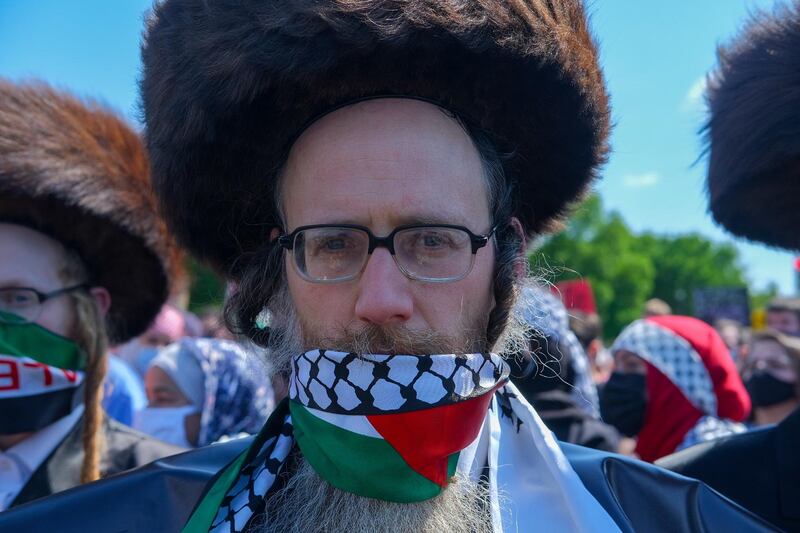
[161, 496]
[759, 470]
[123, 449]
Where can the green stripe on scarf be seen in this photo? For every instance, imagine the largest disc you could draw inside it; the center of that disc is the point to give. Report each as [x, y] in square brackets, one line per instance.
[204, 514]
[206, 510]
[363, 465]
[38, 343]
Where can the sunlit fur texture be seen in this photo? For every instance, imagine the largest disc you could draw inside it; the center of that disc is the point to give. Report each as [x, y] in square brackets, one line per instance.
[228, 86]
[753, 133]
[75, 171]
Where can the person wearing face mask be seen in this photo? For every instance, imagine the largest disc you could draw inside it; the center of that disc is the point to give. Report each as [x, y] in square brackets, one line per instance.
[367, 173]
[175, 388]
[771, 376]
[753, 182]
[85, 261]
[674, 385]
[202, 390]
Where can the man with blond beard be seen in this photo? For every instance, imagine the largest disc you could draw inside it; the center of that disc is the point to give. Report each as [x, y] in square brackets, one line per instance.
[85, 260]
[366, 173]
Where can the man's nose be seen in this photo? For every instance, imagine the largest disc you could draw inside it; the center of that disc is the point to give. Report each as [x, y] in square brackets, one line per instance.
[384, 297]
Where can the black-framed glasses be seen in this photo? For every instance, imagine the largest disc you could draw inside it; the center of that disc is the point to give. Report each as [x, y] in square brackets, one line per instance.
[25, 303]
[437, 253]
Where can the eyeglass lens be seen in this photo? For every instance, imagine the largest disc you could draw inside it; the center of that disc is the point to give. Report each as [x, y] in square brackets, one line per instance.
[24, 303]
[330, 254]
[428, 253]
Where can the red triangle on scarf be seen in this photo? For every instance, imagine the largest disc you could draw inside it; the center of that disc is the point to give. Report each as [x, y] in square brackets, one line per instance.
[425, 439]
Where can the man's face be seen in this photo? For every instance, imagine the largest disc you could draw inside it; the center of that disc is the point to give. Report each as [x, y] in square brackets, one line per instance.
[34, 260]
[382, 164]
[787, 322]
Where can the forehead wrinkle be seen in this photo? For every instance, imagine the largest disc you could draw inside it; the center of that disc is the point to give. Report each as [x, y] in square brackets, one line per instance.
[38, 258]
[405, 204]
[383, 168]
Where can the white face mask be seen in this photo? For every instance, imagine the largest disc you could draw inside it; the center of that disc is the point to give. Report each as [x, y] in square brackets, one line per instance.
[165, 423]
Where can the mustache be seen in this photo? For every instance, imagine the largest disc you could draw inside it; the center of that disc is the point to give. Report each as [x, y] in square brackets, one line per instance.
[392, 340]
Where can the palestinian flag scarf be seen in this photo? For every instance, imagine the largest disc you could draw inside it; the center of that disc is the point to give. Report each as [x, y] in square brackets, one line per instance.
[396, 428]
[40, 376]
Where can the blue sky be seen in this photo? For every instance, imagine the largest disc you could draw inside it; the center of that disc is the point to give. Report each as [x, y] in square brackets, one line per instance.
[655, 56]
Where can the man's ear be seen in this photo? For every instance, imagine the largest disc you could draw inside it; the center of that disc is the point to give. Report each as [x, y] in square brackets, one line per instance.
[520, 268]
[102, 298]
[274, 234]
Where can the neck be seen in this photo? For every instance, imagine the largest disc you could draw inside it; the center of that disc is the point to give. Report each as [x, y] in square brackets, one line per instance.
[773, 414]
[9, 441]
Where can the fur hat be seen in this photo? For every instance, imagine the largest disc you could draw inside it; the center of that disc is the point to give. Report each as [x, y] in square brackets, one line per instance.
[228, 86]
[78, 173]
[753, 133]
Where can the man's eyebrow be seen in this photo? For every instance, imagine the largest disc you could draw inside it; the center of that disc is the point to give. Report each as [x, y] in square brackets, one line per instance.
[430, 219]
[16, 284]
[403, 220]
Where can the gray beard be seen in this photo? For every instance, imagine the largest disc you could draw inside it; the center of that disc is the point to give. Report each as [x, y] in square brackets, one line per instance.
[309, 503]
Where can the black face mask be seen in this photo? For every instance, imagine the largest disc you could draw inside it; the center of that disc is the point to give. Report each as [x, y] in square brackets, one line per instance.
[623, 402]
[766, 390]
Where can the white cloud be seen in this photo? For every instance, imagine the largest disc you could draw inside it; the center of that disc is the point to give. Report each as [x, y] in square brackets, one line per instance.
[639, 181]
[693, 100]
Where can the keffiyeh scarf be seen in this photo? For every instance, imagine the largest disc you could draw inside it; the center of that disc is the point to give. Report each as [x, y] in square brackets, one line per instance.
[694, 392]
[396, 428]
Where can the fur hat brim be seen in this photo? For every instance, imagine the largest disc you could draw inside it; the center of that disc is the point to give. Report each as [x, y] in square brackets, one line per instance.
[77, 172]
[753, 132]
[228, 86]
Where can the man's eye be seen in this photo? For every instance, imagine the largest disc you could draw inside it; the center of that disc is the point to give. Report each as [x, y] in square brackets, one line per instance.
[17, 299]
[332, 245]
[434, 240]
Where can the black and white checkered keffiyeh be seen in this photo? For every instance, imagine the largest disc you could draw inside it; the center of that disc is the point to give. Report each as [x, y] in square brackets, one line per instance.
[542, 486]
[674, 357]
[257, 480]
[346, 383]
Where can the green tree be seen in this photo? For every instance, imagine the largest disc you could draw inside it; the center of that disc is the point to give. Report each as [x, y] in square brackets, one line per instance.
[625, 269]
[687, 262]
[760, 299]
[601, 248]
[208, 289]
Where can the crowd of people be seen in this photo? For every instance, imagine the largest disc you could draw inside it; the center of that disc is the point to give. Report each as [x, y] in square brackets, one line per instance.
[666, 382]
[367, 176]
[185, 386]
